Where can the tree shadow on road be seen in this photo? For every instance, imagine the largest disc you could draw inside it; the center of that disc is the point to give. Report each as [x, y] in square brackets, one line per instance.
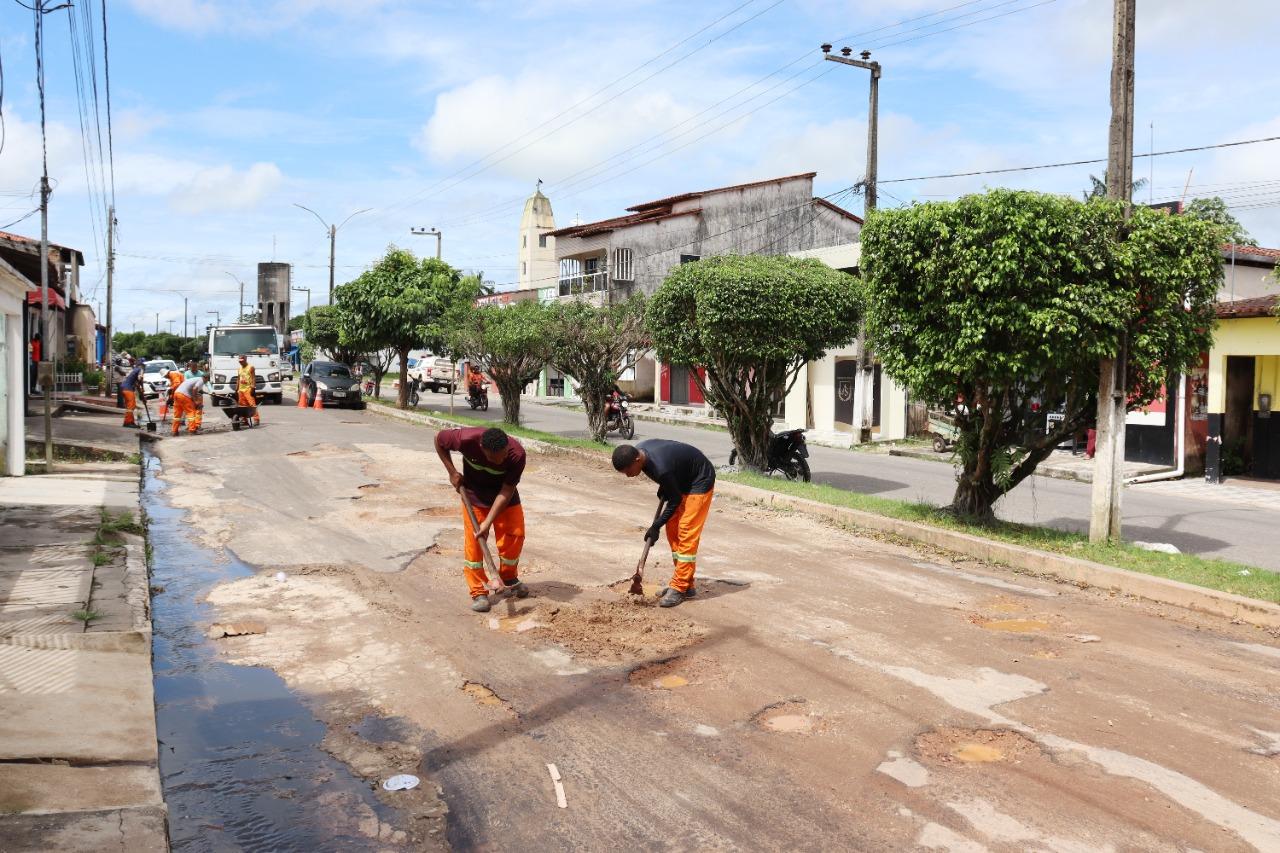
[858, 483]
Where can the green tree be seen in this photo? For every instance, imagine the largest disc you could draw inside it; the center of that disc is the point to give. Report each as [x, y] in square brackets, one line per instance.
[322, 329]
[296, 321]
[1214, 211]
[193, 349]
[593, 344]
[751, 322]
[997, 307]
[509, 342]
[127, 342]
[399, 304]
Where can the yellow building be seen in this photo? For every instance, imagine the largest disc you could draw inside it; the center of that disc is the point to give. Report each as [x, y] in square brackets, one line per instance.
[1243, 390]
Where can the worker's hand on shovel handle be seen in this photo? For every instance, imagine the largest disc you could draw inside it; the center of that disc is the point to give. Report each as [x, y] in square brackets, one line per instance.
[651, 535]
[455, 480]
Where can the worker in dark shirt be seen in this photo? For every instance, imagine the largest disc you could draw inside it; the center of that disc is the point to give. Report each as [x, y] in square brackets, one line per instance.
[686, 479]
[492, 463]
[130, 389]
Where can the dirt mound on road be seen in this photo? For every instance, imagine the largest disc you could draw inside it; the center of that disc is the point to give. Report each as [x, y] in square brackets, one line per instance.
[617, 631]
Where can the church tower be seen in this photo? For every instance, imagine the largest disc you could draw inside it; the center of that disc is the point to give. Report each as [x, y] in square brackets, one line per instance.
[536, 261]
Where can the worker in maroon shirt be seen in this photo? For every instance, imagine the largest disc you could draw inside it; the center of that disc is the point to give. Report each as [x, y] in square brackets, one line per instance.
[492, 463]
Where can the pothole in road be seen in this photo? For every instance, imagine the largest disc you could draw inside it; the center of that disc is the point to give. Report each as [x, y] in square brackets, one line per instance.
[790, 716]
[439, 512]
[484, 696]
[616, 631]
[651, 590]
[665, 675]
[974, 746]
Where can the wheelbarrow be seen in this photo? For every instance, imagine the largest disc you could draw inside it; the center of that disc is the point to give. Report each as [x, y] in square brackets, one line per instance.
[943, 429]
[240, 416]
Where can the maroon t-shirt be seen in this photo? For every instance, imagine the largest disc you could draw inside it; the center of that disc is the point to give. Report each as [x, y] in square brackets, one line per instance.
[482, 479]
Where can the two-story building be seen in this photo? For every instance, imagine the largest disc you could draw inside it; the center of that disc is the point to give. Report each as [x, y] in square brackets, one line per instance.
[614, 258]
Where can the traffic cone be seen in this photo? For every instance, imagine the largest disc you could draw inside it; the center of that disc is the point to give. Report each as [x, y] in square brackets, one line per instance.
[317, 402]
[302, 399]
[164, 406]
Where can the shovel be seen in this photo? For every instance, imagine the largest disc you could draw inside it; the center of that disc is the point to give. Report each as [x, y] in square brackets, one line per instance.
[151, 424]
[637, 585]
[494, 584]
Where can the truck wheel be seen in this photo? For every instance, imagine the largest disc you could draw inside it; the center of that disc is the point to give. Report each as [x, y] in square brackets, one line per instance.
[278, 399]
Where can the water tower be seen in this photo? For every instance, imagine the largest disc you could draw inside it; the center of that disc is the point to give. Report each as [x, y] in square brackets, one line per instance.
[274, 281]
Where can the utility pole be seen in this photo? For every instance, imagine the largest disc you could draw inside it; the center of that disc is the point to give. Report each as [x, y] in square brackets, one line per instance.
[184, 319]
[1105, 517]
[216, 316]
[434, 232]
[111, 269]
[332, 231]
[171, 322]
[863, 393]
[308, 292]
[236, 278]
[157, 322]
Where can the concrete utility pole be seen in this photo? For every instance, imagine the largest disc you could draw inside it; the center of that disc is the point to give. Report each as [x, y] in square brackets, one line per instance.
[308, 292]
[1105, 517]
[333, 238]
[434, 232]
[157, 322]
[111, 269]
[217, 317]
[862, 391]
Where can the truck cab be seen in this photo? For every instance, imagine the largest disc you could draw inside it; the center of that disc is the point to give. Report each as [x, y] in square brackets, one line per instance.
[260, 344]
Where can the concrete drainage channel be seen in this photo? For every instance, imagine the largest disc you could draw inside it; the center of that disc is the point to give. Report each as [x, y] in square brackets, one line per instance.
[240, 757]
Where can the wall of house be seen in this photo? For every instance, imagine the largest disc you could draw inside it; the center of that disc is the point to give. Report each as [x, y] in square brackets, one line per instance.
[1246, 281]
[813, 400]
[1256, 336]
[13, 367]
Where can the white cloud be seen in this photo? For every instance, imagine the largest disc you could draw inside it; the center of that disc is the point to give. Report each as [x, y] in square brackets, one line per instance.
[223, 188]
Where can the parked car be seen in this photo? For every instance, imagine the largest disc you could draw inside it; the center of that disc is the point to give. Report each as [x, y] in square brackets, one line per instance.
[336, 384]
[155, 382]
[438, 374]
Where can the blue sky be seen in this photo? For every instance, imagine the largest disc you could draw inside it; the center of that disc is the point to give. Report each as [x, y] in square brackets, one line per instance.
[227, 112]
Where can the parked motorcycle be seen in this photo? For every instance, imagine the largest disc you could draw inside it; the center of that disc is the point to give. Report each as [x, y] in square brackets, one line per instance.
[617, 418]
[413, 392]
[788, 454]
[478, 397]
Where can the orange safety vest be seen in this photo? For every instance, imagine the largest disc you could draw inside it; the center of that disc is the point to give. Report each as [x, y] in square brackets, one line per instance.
[247, 379]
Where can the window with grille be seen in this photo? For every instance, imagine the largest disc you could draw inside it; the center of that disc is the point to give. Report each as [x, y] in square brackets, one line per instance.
[623, 265]
[542, 241]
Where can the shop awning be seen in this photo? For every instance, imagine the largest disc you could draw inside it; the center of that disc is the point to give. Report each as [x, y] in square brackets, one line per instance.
[55, 301]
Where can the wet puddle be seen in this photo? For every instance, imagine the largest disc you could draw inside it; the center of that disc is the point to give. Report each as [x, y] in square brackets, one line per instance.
[240, 757]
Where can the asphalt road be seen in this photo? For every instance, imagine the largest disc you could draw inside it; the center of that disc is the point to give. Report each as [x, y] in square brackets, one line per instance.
[1210, 528]
[824, 691]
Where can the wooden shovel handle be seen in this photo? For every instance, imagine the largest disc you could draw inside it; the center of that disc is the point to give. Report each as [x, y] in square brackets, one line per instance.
[644, 554]
[484, 547]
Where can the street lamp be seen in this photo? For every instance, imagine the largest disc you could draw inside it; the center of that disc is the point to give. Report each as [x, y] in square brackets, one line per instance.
[434, 232]
[333, 238]
[241, 283]
[307, 290]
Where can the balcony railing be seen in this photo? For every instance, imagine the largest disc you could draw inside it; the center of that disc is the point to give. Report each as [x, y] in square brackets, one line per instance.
[577, 285]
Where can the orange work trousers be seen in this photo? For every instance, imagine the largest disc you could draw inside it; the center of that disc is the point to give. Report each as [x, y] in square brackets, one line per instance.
[246, 398]
[508, 534]
[185, 406]
[684, 532]
[130, 403]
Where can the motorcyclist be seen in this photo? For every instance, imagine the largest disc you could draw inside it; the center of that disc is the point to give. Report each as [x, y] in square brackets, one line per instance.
[477, 384]
[613, 403]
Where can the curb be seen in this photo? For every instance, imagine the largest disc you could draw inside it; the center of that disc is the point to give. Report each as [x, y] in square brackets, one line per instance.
[1042, 563]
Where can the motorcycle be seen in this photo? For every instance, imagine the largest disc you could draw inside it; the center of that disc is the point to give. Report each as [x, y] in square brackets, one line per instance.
[414, 387]
[788, 453]
[617, 418]
[478, 397]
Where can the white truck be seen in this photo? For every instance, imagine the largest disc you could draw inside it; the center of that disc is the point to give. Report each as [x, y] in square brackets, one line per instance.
[431, 371]
[260, 344]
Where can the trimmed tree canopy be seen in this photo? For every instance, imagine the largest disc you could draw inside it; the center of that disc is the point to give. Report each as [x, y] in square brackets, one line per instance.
[509, 342]
[592, 343]
[751, 322]
[998, 308]
[400, 304]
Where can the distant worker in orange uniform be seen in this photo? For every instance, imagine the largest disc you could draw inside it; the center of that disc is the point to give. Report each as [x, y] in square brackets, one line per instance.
[247, 380]
[188, 402]
[175, 378]
[686, 480]
[492, 463]
[129, 390]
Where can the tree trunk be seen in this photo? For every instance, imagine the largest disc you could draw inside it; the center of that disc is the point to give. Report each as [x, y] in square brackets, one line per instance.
[403, 399]
[750, 433]
[509, 388]
[975, 496]
[593, 400]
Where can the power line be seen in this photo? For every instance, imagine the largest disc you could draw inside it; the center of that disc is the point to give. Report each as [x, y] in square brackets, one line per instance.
[436, 188]
[106, 78]
[483, 215]
[1093, 162]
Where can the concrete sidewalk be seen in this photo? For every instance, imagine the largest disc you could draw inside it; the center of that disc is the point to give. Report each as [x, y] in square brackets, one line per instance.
[78, 734]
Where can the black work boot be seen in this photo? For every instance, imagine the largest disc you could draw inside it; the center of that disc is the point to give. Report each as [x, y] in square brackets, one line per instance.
[517, 588]
[670, 597]
[480, 604]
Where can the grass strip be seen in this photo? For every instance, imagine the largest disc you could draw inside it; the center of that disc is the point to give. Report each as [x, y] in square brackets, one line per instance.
[1211, 573]
[517, 431]
[1207, 572]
